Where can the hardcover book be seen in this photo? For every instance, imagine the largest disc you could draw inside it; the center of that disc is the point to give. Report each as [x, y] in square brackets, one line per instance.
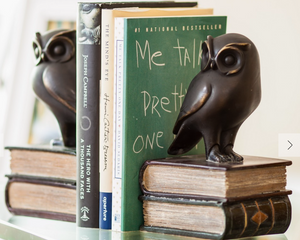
[156, 58]
[217, 219]
[89, 41]
[42, 197]
[195, 177]
[43, 161]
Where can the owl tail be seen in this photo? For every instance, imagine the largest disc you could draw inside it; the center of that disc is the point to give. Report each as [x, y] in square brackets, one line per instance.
[184, 141]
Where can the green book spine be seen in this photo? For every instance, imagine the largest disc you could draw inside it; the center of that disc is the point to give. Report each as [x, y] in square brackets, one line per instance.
[87, 104]
[156, 58]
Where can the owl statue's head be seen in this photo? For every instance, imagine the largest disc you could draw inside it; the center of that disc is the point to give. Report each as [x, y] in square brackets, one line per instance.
[227, 54]
[56, 46]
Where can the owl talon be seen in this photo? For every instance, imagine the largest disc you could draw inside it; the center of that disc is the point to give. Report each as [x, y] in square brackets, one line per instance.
[234, 157]
[216, 155]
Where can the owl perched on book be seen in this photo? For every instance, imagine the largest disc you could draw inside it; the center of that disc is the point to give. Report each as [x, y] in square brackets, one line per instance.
[220, 98]
[54, 78]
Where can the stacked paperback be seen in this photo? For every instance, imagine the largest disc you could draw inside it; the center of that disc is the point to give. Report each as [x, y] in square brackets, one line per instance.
[195, 197]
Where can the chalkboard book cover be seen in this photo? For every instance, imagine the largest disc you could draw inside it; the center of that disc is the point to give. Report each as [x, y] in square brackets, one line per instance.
[156, 58]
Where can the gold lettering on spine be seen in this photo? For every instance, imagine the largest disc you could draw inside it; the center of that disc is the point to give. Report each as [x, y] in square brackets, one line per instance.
[246, 219]
[258, 218]
[273, 215]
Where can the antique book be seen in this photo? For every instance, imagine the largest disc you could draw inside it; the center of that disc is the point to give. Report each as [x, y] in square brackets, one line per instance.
[42, 197]
[156, 58]
[194, 176]
[107, 92]
[89, 41]
[43, 161]
[217, 219]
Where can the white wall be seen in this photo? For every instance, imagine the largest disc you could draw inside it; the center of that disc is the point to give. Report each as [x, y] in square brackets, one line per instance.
[274, 27]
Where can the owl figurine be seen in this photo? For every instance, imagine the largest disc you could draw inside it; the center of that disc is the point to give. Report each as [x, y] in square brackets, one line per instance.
[54, 78]
[220, 98]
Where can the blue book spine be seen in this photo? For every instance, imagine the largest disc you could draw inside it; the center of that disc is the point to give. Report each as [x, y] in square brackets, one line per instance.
[105, 210]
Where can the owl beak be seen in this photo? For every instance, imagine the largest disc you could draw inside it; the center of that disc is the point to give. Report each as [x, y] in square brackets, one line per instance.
[213, 64]
[44, 57]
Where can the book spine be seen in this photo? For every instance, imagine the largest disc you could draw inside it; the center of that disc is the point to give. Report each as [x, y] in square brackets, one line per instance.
[259, 216]
[88, 79]
[118, 124]
[106, 118]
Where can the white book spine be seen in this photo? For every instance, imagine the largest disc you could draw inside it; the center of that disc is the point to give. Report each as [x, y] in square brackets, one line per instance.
[106, 117]
[118, 125]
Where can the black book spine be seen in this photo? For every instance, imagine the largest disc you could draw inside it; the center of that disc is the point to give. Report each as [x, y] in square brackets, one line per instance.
[248, 218]
[261, 216]
[88, 82]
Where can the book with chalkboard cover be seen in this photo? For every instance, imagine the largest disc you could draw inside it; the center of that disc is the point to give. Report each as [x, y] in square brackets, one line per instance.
[156, 58]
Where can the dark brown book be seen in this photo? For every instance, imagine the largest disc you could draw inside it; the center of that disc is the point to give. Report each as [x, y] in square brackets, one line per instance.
[41, 197]
[194, 177]
[217, 219]
[43, 161]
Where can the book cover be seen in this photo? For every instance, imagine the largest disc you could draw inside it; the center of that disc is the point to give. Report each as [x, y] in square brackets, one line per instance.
[156, 58]
[87, 117]
[107, 94]
[42, 197]
[217, 219]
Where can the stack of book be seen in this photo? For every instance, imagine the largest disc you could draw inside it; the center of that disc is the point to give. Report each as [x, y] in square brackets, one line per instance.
[135, 61]
[195, 197]
[145, 54]
[42, 182]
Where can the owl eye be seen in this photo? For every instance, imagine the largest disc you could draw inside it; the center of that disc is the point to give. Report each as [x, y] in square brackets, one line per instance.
[37, 52]
[60, 49]
[205, 57]
[230, 60]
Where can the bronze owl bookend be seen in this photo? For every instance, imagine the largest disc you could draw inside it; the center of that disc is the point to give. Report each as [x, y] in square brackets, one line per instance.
[220, 98]
[54, 78]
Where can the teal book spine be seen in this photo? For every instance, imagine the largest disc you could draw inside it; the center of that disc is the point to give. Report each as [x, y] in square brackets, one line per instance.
[156, 58]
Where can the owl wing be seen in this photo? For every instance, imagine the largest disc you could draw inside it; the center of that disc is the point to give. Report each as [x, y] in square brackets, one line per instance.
[60, 82]
[197, 95]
